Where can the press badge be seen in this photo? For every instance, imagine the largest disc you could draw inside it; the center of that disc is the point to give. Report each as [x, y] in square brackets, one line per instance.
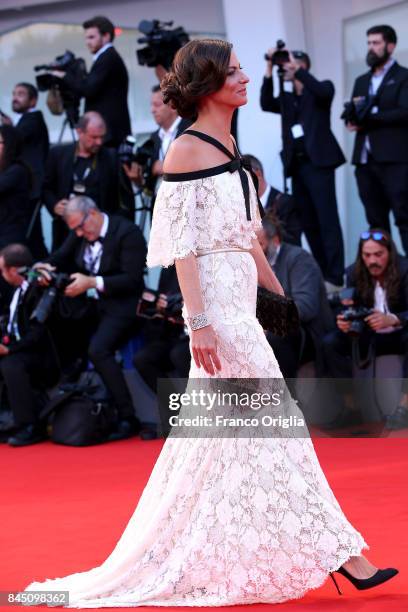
[297, 131]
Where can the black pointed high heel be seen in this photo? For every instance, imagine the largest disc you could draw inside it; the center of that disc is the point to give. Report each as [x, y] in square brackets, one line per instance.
[381, 575]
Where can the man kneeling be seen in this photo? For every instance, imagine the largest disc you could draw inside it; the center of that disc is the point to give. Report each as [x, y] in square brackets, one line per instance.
[109, 253]
[28, 362]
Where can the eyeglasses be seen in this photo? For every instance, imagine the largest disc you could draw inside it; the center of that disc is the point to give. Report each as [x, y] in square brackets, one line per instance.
[377, 236]
[80, 225]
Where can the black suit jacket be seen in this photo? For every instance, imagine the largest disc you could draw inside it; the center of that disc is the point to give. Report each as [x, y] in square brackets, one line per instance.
[115, 192]
[106, 89]
[301, 279]
[284, 207]
[34, 134]
[314, 116]
[388, 128]
[183, 125]
[121, 267]
[15, 209]
[155, 143]
[400, 306]
[35, 337]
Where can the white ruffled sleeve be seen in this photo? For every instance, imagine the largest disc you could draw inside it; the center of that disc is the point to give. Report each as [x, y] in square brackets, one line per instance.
[173, 234]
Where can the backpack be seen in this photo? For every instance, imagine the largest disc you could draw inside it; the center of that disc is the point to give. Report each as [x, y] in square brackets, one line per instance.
[80, 415]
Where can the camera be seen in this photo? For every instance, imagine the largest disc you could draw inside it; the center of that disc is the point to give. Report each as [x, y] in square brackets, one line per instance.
[147, 307]
[281, 56]
[59, 282]
[161, 42]
[75, 66]
[357, 110]
[129, 152]
[356, 316]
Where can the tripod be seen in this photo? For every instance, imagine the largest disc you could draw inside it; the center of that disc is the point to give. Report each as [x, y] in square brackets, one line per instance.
[281, 74]
[144, 206]
[66, 123]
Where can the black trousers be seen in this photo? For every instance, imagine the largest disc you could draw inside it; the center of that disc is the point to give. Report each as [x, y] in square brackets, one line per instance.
[337, 349]
[19, 371]
[110, 334]
[160, 356]
[384, 188]
[315, 194]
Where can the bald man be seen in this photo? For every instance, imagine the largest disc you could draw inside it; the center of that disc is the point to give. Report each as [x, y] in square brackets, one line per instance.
[85, 167]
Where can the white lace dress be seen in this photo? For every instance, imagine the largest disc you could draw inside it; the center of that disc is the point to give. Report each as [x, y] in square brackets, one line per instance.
[221, 521]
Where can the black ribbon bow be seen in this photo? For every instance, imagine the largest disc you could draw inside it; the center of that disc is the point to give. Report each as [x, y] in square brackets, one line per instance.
[92, 242]
[236, 164]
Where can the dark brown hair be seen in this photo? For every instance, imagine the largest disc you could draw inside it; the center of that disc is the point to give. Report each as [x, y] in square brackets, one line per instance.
[103, 24]
[388, 33]
[365, 283]
[199, 69]
[16, 255]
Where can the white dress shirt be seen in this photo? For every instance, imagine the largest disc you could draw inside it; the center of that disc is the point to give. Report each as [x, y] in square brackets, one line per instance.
[101, 50]
[20, 291]
[167, 137]
[93, 255]
[375, 83]
[381, 304]
[265, 196]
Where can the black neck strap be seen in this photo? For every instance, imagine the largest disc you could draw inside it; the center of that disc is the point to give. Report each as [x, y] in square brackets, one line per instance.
[236, 164]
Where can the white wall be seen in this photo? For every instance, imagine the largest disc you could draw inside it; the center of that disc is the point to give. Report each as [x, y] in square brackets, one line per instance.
[194, 15]
[253, 27]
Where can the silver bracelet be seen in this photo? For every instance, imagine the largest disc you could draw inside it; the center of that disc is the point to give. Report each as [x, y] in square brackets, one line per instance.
[198, 321]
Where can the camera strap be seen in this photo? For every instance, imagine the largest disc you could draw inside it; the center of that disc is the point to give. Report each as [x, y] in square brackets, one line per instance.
[361, 363]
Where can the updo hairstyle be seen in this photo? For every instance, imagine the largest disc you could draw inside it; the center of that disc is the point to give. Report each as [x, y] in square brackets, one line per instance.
[199, 69]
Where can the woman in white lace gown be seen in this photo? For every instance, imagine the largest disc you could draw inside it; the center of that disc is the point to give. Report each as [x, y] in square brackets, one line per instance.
[221, 521]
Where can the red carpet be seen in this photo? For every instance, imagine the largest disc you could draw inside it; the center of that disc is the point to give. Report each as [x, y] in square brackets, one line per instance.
[63, 509]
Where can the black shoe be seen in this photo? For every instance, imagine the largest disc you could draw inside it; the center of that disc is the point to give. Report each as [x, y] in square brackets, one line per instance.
[29, 434]
[124, 428]
[381, 575]
[398, 419]
[345, 418]
[7, 423]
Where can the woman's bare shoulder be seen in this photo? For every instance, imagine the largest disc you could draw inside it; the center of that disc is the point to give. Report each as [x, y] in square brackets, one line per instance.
[183, 155]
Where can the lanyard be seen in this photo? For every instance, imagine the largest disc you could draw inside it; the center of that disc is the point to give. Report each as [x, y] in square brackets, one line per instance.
[87, 172]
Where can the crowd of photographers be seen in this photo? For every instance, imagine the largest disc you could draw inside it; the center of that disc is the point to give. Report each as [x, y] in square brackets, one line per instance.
[83, 301]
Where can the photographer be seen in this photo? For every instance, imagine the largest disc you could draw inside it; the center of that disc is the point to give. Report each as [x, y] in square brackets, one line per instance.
[166, 344]
[109, 253]
[105, 88]
[15, 186]
[170, 127]
[34, 150]
[310, 155]
[377, 321]
[302, 280]
[87, 168]
[282, 205]
[380, 120]
[27, 353]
